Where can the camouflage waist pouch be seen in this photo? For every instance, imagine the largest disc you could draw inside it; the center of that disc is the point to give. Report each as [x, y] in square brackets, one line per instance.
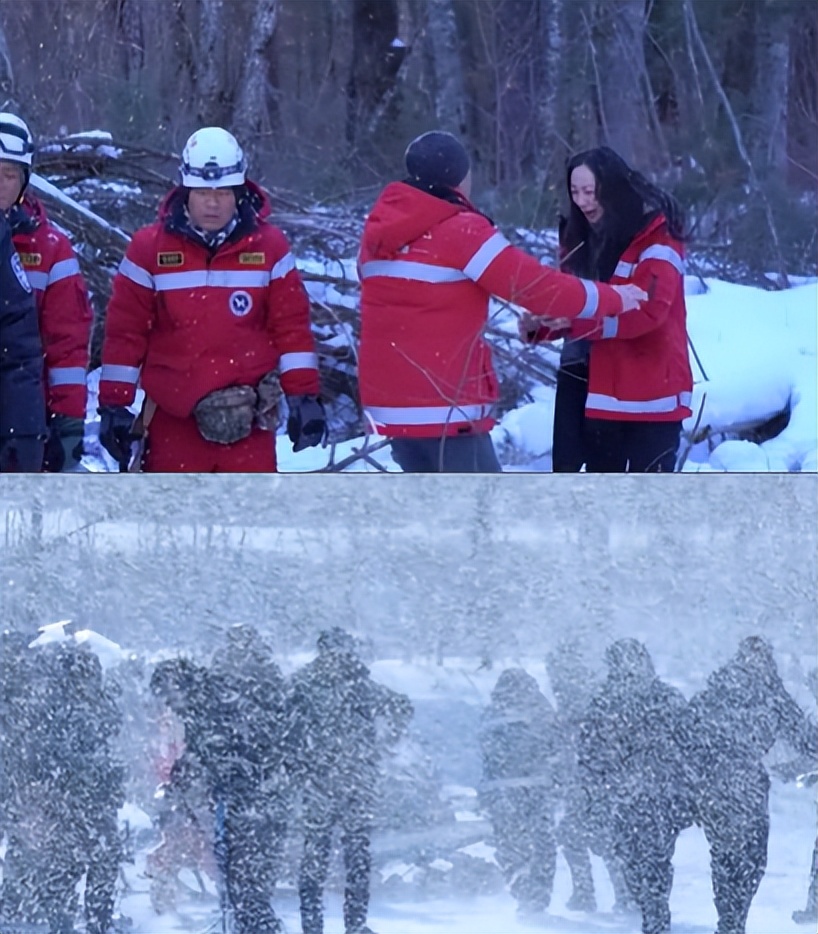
[269, 395]
[228, 415]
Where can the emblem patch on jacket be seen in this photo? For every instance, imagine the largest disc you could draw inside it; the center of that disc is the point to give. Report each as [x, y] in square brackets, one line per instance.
[240, 303]
[31, 259]
[170, 259]
[251, 259]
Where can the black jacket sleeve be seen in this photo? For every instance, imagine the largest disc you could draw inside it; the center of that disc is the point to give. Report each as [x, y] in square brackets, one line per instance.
[22, 398]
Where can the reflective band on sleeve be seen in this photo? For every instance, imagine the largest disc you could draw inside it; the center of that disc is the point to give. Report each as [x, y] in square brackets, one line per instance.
[609, 327]
[624, 270]
[405, 269]
[591, 299]
[213, 278]
[666, 253]
[282, 267]
[597, 400]
[298, 361]
[118, 373]
[66, 376]
[427, 414]
[484, 257]
[63, 270]
[38, 280]
[135, 273]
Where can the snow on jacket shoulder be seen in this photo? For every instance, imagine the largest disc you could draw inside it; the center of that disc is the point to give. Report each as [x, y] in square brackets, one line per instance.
[65, 314]
[428, 268]
[187, 322]
[639, 364]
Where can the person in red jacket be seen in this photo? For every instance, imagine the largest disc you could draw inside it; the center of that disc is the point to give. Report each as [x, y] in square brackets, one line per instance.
[208, 312]
[64, 312]
[429, 262]
[625, 383]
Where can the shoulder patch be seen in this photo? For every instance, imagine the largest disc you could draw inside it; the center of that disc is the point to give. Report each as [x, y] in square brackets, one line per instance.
[19, 272]
[31, 259]
[170, 259]
[251, 259]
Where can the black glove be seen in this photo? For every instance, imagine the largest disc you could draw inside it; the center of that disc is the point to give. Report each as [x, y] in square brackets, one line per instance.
[115, 435]
[64, 445]
[21, 454]
[307, 424]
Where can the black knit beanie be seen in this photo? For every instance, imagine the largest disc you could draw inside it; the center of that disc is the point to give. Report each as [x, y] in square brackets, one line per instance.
[437, 160]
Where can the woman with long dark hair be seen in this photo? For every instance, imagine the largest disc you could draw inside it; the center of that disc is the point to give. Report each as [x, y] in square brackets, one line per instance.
[624, 384]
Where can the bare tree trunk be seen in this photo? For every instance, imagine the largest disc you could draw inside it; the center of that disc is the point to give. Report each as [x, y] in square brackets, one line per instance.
[132, 33]
[450, 94]
[250, 115]
[211, 79]
[6, 72]
[742, 151]
[548, 100]
[768, 140]
[621, 61]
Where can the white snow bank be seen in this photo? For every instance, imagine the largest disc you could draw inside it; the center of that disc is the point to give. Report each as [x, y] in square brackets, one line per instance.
[758, 350]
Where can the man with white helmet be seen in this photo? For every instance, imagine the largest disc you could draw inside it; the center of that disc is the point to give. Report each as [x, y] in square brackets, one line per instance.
[65, 315]
[207, 314]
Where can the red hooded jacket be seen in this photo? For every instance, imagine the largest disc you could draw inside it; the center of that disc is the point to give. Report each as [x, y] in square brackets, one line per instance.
[186, 321]
[428, 268]
[62, 303]
[639, 368]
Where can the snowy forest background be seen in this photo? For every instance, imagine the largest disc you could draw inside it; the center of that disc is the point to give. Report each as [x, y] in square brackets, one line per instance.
[717, 100]
[485, 568]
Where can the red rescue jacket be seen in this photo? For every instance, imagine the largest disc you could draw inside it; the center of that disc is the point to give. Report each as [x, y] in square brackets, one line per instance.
[62, 303]
[186, 321]
[639, 368]
[428, 268]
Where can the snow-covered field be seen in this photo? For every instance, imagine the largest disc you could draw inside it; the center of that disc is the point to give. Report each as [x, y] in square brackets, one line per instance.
[758, 349]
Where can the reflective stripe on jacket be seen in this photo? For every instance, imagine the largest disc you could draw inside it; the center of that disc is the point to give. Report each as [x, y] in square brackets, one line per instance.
[187, 322]
[428, 268]
[64, 311]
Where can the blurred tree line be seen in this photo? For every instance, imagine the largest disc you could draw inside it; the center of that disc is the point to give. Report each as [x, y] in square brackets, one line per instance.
[715, 99]
[496, 571]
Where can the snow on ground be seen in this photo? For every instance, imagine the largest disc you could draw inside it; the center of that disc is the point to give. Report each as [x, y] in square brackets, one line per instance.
[758, 349]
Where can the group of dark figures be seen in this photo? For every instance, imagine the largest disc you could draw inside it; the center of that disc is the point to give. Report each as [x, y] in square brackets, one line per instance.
[632, 766]
[625, 770]
[255, 745]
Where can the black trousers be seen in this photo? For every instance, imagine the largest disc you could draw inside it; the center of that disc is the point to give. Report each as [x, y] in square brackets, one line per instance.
[733, 810]
[645, 829]
[456, 454]
[631, 447]
[321, 814]
[568, 449]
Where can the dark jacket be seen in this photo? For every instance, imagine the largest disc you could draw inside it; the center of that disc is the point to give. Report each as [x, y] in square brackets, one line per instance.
[518, 736]
[627, 743]
[22, 399]
[738, 717]
[334, 713]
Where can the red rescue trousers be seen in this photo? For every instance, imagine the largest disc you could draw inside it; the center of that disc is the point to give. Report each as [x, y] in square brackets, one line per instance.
[175, 446]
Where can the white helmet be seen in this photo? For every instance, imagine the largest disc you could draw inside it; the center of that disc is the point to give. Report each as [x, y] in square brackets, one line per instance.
[212, 158]
[16, 143]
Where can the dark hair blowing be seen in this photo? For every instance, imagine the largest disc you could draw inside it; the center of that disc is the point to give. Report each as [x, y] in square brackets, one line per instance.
[628, 200]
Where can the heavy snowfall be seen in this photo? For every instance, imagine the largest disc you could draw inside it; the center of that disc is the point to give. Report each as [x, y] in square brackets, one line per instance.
[442, 590]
